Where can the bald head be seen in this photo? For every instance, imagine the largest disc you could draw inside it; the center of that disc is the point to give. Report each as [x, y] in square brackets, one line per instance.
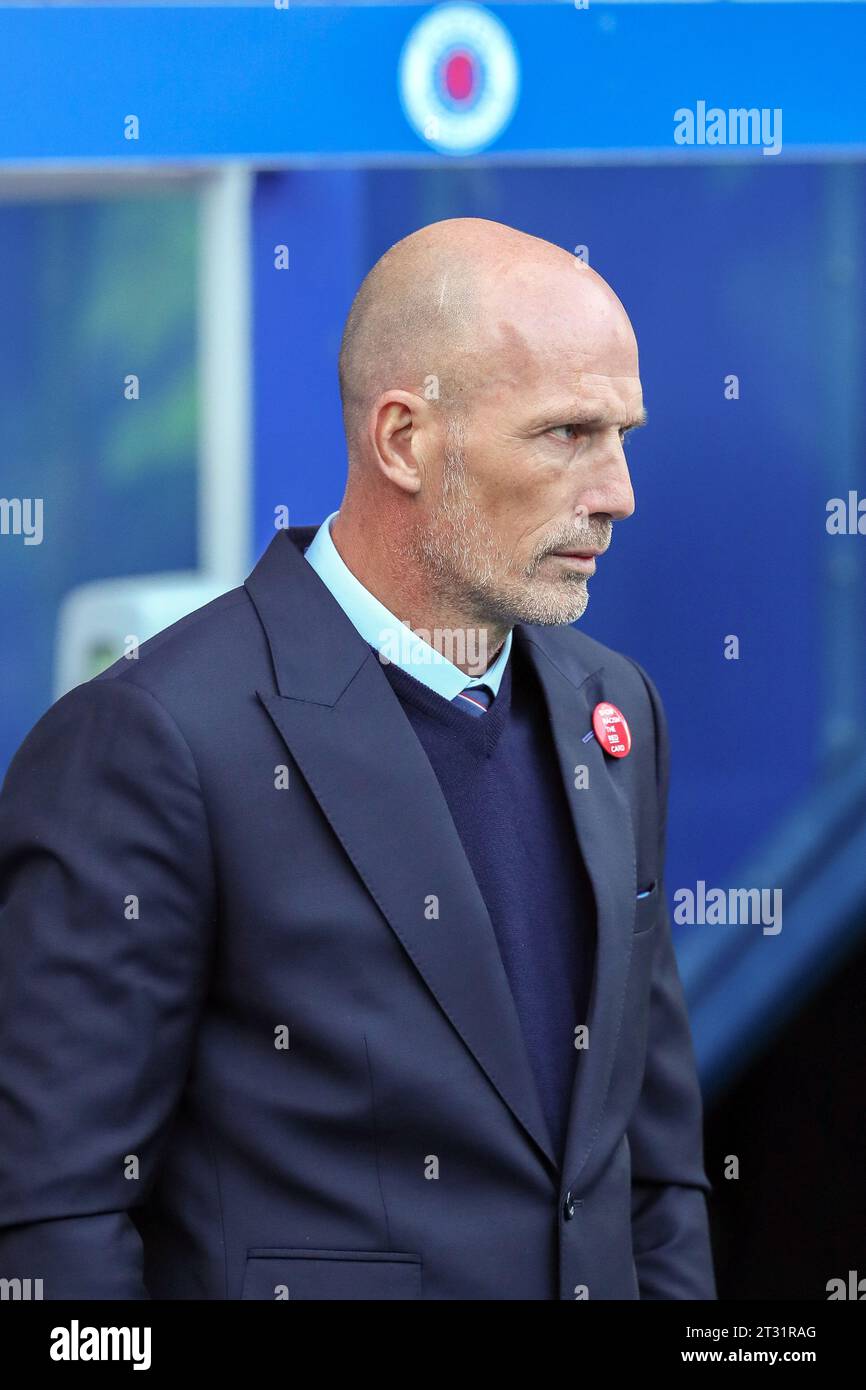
[440, 307]
[488, 380]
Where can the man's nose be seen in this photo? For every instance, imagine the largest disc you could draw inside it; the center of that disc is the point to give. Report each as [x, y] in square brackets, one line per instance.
[625, 496]
[611, 491]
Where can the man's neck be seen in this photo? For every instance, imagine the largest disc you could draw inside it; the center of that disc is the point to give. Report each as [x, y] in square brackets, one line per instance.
[471, 646]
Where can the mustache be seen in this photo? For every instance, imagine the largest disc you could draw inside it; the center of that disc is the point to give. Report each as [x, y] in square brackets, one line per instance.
[589, 540]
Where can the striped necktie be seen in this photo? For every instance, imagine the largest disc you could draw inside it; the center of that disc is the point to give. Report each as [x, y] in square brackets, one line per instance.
[475, 700]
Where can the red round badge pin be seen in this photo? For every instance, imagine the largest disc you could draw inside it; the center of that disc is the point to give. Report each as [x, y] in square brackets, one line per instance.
[611, 730]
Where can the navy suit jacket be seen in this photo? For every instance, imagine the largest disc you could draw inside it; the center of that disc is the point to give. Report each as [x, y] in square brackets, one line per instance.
[241, 1058]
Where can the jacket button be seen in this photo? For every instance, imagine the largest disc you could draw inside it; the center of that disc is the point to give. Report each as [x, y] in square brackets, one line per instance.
[568, 1206]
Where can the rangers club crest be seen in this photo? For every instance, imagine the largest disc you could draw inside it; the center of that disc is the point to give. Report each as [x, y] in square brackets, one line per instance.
[459, 78]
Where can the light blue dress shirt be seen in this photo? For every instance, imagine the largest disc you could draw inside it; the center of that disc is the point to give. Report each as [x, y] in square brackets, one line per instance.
[378, 625]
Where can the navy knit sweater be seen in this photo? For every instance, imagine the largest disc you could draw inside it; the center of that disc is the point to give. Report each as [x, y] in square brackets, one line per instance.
[500, 777]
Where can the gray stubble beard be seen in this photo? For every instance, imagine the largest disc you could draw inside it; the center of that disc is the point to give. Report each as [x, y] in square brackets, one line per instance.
[463, 563]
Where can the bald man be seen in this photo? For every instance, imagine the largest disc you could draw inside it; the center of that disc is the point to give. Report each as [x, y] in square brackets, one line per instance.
[334, 953]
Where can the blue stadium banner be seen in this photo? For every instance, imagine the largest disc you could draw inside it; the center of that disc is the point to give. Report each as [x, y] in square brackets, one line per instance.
[284, 82]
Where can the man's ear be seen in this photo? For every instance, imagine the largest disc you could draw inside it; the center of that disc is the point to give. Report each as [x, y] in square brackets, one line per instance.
[399, 422]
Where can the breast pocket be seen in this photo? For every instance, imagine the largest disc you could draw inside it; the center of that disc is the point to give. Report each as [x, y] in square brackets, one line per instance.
[646, 908]
[353, 1275]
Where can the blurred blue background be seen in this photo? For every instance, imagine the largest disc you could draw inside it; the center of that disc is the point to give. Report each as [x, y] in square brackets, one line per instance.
[155, 257]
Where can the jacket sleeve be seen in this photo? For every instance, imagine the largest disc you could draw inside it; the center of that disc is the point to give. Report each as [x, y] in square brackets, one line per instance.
[106, 913]
[670, 1228]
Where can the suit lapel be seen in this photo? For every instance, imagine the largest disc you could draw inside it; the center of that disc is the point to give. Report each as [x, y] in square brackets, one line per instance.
[604, 832]
[357, 751]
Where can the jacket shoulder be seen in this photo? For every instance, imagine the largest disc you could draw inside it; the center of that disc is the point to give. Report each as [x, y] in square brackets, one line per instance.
[198, 652]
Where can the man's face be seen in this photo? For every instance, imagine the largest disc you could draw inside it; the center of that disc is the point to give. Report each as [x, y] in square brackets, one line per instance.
[540, 468]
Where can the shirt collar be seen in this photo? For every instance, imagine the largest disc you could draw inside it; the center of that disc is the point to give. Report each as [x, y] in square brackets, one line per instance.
[378, 625]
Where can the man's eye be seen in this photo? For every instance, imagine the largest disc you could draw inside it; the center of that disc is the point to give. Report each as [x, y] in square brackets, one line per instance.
[565, 428]
[571, 431]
